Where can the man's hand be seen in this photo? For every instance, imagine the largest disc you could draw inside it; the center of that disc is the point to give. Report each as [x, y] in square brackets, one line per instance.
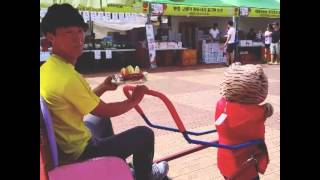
[268, 110]
[138, 93]
[108, 84]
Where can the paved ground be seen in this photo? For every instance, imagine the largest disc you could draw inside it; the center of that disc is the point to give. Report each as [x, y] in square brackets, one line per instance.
[194, 92]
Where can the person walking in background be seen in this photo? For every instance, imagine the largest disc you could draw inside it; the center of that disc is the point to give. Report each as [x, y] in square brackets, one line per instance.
[275, 44]
[230, 42]
[267, 42]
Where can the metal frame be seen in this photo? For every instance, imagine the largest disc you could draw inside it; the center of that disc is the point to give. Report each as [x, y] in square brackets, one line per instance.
[180, 128]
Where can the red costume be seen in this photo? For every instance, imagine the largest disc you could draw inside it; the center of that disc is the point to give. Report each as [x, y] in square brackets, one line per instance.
[243, 89]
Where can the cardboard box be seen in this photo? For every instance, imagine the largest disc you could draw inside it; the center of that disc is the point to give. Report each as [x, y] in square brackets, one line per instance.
[163, 45]
[248, 42]
[172, 45]
[243, 43]
[188, 57]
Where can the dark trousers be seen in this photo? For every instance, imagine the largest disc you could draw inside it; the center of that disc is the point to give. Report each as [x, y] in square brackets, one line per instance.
[138, 141]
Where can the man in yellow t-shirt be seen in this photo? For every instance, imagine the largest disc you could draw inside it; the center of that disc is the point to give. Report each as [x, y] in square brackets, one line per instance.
[70, 98]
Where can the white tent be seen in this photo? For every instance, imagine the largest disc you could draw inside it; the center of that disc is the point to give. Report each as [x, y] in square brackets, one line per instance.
[101, 27]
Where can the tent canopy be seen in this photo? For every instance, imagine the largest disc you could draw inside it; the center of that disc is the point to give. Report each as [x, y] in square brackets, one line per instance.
[262, 4]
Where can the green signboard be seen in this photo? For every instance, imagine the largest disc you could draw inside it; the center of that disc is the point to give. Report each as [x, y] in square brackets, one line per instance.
[186, 10]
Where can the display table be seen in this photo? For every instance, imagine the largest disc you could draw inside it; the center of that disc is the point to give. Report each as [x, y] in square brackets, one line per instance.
[111, 49]
[89, 61]
[167, 49]
[167, 56]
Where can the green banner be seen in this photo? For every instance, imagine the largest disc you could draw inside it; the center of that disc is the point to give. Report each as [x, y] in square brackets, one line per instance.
[107, 6]
[136, 7]
[268, 13]
[47, 3]
[185, 10]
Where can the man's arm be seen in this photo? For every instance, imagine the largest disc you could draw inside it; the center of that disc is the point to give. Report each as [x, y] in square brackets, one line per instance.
[117, 108]
[210, 35]
[104, 86]
[113, 109]
[100, 89]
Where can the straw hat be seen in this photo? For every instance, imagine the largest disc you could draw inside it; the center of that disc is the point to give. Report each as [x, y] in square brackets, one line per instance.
[244, 84]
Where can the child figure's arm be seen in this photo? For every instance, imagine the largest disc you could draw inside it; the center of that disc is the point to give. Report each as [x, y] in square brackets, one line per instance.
[268, 110]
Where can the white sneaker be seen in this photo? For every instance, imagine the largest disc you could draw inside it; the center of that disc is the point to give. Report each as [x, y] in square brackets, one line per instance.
[160, 170]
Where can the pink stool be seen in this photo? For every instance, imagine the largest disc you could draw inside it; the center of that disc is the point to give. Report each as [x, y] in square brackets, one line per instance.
[103, 168]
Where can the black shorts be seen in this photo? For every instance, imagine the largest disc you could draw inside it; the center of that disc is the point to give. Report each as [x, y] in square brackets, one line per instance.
[231, 47]
[267, 46]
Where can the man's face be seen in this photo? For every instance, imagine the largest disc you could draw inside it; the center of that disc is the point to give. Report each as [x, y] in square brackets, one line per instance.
[274, 26]
[68, 41]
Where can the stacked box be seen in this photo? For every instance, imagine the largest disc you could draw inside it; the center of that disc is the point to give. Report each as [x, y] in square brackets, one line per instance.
[172, 45]
[212, 53]
[246, 43]
[163, 45]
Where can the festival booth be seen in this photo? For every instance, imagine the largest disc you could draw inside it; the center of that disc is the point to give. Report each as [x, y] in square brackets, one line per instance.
[256, 15]
[187, 24]
[189, 21]
[112, 37]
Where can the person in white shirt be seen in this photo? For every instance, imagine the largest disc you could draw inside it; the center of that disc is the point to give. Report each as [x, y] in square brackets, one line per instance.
[214, 33]
[267, 42]
[230, 42]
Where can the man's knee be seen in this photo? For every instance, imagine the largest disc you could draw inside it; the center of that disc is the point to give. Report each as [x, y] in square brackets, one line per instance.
[93, 119]
[146, 133]
[99, 126]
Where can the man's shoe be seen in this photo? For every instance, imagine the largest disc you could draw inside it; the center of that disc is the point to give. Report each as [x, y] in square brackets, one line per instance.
[159, 170]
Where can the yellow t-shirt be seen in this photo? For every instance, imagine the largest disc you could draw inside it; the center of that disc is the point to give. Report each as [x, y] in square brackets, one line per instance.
[69, 98]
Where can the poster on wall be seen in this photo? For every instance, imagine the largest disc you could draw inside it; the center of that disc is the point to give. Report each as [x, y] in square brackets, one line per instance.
[86, 15]
[157, 9]
[93, 16]
[108, 54]
[151, 44]
[97, 54]
[101, 16]
[127, 17]
[107, 16]
[115, 16]
[244, 11]
[121, 16]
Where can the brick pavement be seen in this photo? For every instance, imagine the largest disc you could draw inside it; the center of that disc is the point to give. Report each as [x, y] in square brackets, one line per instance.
[194, 92]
